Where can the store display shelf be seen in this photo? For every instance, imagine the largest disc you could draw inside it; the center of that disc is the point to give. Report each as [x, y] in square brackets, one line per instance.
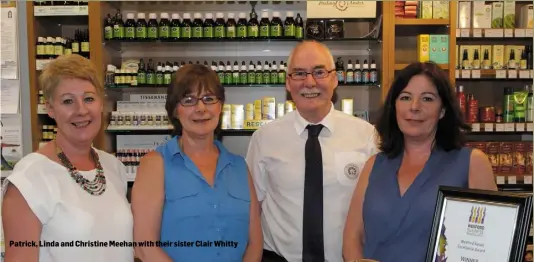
[493, 74]
[232, 40]
[418, 21]
[494, 34]
[502, 128]
[402, 66]
[81, 10]
[41, 109]
[514, 182]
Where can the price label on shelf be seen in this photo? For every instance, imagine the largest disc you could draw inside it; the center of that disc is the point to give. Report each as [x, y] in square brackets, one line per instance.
[477, 32]
[466, 73]
[500, 180]
[488, 127]
[457, 74]
[519, 32]
[458, 32]
[500, 74]
[499, 127]
[508, 32]
[520, 127]
[493, 33]
[475, 127]
[530, 127]
[475, 73]
[524, 74]
[464, 32]
[527, 180]
[512, 180]
[512, 73]
[529, 33]
[509, 127]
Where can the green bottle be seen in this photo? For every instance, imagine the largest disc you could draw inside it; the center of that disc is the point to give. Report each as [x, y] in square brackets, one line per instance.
[259, 74]
[242, 26]
[141, 73]
[220, 30]
[175, 27]
[186, 28]
[140, 29]
[266, 73]
[108, 28]
[164, 27]
[265, 25]
[159, 75]
[208, 26]
[251, 74]
[220, 72]
[520, 106]
[299, 27]
[243, 74]
[274, 73]
[276, 26]
[152, 27]
[198, 26]
[253, 26]
[228, 80]
[129, 27]
[231, 26]
[167, 75]
[235, 73]
[282, 73]
[118, 26]
[150, 74]
[508, 105]
[289, 26]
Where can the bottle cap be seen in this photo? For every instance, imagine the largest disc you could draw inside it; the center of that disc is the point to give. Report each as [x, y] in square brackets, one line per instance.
[130, 16]
[365, 66]
[164, 16]
[231, 15]
[152, 16]
[175, 16]
[251, 67]
[236, 67]
[198, 16]
[187, 16]
[110, 68]
[276, 14]
[289, 14]
[349, 66]
[208, 16]
[373, 66]
[219, 15]
[460, 88]
[158, 68]
[140, 15]
[242, 15]
[167, 68]
[264, 14]
[40, 39]
[59, 39]
[50, 39]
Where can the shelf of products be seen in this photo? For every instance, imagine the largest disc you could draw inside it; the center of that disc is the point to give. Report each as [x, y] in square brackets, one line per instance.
[60, 8]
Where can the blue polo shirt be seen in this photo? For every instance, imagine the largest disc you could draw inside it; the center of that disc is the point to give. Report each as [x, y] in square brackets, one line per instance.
[200, 222]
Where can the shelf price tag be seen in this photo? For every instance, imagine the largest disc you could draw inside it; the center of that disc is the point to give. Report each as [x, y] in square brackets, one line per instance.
[457, 73]
[493, 32]
[509, 127]
[500, 74]
[500, 180]
[475, 73]
[520, 127]
[527, 180]
[458, 32]
[488, 127]
[477, 32]
[524, 74]
[475, 127]
[530, 127]
[519, 32]
[508, 32]
[499, 127]
[464, 32]
[529, 33]
[466, 73]
[512, 180]
[512, 73]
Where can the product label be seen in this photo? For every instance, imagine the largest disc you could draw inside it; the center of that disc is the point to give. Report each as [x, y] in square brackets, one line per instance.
[228, 78]
[197, 32]
[108, 32]
[49, 49]
[340, 76]
[243, 78]
[186, 32]
[118, 31]
[140, 32]
[41, 50]
[85, 46]
[235, 78]
[68, 51]
[276, 30]
[289, 30]
[58, 50]
[274, 77]
[350, 76]
[358, 76]
[264, 31]
[167, 78]
[374, 77]
[251, 78]
[159, 79]
[175, 32]
[267, 78]
[253, 31]
[141, 78]
[219, 31]
[242, 31]
[130, 32]
[208, 32]
[230, 31]
[153, 32]
[299, 32]
[221, 77]
[150, 79]
[282, 77]
[164, 31]
[259, 78]
[365, 77]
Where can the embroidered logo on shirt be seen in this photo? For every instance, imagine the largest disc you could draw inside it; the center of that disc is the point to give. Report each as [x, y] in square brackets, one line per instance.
[352, 171]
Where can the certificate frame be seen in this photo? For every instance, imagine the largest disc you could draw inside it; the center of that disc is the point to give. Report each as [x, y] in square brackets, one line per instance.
[521, 201]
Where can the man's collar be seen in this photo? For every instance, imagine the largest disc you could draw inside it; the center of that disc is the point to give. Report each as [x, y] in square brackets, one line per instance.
[301, 123]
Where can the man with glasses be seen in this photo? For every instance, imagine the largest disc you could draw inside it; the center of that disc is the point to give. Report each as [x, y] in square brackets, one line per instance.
[306, 164]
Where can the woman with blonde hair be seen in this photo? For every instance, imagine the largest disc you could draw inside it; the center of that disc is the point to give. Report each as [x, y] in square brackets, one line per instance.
[67, 201]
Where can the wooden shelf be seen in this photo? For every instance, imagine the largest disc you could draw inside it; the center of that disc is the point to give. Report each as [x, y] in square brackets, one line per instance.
[418, 21]
[402, 66]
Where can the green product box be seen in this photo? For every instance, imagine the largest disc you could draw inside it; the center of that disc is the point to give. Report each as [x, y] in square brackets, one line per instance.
[439, 49]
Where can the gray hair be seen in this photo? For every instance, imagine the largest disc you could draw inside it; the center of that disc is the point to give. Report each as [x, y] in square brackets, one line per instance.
[321, 45]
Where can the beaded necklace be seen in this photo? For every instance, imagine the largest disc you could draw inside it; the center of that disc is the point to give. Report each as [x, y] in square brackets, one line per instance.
[97, 186]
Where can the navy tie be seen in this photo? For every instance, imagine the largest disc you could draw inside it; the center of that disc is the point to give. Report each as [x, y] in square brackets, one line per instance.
[312, 236]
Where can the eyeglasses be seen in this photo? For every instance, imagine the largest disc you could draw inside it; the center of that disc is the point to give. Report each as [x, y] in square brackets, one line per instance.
[193, 101]
[316, 74]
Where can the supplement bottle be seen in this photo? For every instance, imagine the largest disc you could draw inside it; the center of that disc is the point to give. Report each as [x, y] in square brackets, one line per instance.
[274, 73]
[265, 29]
[141, 73]
[49, 48]
[242, 26]
[243, 74]
[150, 74]
[220, 72]
[340, 70]
[365, 73]
[197, 26]
[141, 27]
[357, 73]
[159, 75]
[108, 28]
[228, 80]
[152, 27]
[186, 27]
[231, 26]
[40, 52]
[167, 75]
[299, 27]
[129, 27]
[220, 31]
[253, 30]
[266, 73]
[164, 26]
[208, 26]
[373, 73]
[259, 74]
[251, 79]
[282, 73]
[118, 26]
[349, 75]
[289, 26]
[235, 73]
[175, 26]
[276, 26]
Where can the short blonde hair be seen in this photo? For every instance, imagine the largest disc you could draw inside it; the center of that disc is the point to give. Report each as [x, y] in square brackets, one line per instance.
[65, 67]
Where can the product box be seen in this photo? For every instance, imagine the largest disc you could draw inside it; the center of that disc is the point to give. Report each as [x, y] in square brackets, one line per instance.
[249, 111]
[472, 50]
[518, 49]
[280, 110]
[483, 49]
[423, 48]
[426, 9]
[347, 106]
[528, 156]
[440, 9]
[497, 56]
[443, 56]
[506, 157]
[457, 55]
[519, 155]
[507, 50]
[269, 108]
[481, 15]
[257, 109]
[289, 106]
[464, 48]
[464, 14]
[509, 14]
[525, 16]
[238, 116]
[497, 11]
[226, 118]
[434, 48]
[492, 151]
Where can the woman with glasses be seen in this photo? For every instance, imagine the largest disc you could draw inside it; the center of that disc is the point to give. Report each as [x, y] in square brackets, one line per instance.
[192, 198]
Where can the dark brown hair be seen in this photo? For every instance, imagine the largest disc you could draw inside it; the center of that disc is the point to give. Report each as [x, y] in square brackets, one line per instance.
[451, 127]
[191, 79]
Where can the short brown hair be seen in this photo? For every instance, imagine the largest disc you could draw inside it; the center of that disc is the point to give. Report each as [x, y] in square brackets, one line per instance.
[191, 78]
[65, 67]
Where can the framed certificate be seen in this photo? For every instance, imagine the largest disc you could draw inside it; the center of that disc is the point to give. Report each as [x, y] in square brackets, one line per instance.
[478, 225]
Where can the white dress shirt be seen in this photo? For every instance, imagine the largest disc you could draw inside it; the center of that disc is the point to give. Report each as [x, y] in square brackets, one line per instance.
[276, 161]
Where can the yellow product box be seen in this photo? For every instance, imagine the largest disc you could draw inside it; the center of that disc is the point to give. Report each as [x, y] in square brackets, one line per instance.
[485, 64]
[525, 16]
[226, 118]
[269, 108]
[249, 111]
[290, 106]
[497, 11]
[426, 9]
[257, 109]
[464, 14]
[512, 64]
[238, 116]
[472, 50]
[458, 58]
[347, 106]
[280, 110]
[509, 14]
[497, 56]
[423, 47]
[467, 63]
[440, 9]
[481, 15]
